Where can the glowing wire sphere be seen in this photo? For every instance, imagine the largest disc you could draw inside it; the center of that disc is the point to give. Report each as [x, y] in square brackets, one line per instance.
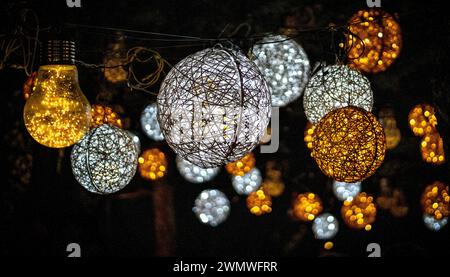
[432, 149]
[335, 87]
[325, 226]
[359, 212]
[104, 115]
[433, 224]
[375, 40]
[195, 174]
[436, 200]
[213, 107]
[344, 191]
[248, 183]
[285, 66]
[212, 207]
[422, 120]
[152, 164]
[259, 202]
[149, 123]
[105, 160]
[349, 144]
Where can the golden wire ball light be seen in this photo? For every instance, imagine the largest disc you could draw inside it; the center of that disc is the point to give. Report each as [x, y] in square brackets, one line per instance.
[422, 119]
[241, 166]
[152, 164]
[104, 115]
[374, 39]
[349, 144]
[436, 200]
[359, 212]
[308, 134]
[259, 202]
[307, 206]
[432, 149]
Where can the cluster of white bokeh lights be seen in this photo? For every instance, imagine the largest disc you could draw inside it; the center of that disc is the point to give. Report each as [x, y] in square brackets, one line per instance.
[248, 183]
[212, 207]
[285, 65]
[195, 174]
[325, 226]
[344, 191]
[213, 107]
[434, 224]
[149, 122]
[335, 87]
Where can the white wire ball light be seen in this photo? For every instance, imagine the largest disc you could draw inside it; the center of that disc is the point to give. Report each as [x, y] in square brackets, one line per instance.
[434, 224]
[335, 87]
[285, 65]
[213, 107]
[325, 226]
[248, 183]
[195, 174]
[212, 207]
[149, 123]
[344, 191]
[105, 160]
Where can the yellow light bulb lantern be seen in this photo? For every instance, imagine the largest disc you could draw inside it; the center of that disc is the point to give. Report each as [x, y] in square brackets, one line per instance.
[374, 40]
[307, 206]
[359, 212]
[241, 166]
[152, 164]
[259, 202]
[308, 135]
[104, 115]
[57, 114]
[436, 200]
[432, 149]
[422, 120]
[392, 133]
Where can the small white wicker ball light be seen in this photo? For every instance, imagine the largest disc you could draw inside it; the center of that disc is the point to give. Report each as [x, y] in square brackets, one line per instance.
[212, 207]
[213, 107]
[335, 87]
[195, 174]
[434, 224]
[149, 123]
[105, 160]
[325, 226]
[250, 182]
[344, 191]
[285, 65]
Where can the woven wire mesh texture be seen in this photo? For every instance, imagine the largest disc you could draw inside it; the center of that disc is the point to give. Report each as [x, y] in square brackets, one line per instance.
[285, 65]
[213, 107]
[335, 87]
[105, 160]
[349, 144]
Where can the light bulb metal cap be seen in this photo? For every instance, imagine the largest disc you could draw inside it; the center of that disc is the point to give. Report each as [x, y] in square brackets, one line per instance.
[58, 52]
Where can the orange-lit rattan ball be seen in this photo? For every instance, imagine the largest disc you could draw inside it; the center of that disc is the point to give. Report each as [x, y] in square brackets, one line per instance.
[273, 187]
[432, 149]
[349, 144]
[104, 115]
[359, 212]
[259, 202]
[152, 164]
[28, 85]
[422, 120]
[392, 133]
[308, 134]
[374, 40]
[241, 166]
[307, 206]
[436, 200]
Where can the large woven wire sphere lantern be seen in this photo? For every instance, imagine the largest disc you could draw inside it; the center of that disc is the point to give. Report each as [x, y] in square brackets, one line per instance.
[195, 174]
[285, 65]
[149, 123]
[359, 212]
[212, 207]
[436, 200]
[335, 87]
[152, 164]
[104, 115]
[349, 144]
[374, 39]
[432, 149]
[213, 107]
[105, 160]
[307, 206]
[422, 119]
[259, 202]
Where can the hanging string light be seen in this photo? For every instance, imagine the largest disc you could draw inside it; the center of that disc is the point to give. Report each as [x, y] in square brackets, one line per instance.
[104, 115]
[374, 39]
[349, 144]
[213, 107]
[334, 87]
[307, 206]
[422, 120]
[359, 212]
[152, 164]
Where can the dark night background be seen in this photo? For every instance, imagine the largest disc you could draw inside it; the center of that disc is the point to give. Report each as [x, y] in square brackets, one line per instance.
[43, 212]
